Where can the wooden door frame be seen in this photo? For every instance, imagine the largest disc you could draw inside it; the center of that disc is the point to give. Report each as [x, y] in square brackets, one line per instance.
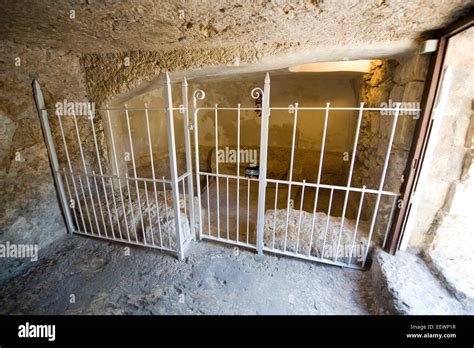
[422, 130]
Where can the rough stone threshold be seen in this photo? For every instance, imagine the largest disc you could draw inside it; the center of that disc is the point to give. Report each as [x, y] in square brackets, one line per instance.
[406, 285]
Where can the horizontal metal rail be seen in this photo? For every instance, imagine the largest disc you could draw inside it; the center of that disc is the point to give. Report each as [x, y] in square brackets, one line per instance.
[335, 187]
[229, 241]
[210, 108]
[311, 258]
[323, 108]
[126, 242]
[345, 108]
[120, 109]
[229, 176]
[92, 175]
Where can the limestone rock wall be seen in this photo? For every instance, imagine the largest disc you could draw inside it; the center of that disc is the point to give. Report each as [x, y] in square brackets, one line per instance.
[29, 211]
[387, 83]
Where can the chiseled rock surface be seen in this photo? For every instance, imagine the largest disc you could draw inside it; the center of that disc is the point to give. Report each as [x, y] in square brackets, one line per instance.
[403, 284]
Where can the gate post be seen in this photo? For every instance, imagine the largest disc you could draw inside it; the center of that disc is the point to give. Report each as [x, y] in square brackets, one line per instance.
[262, 178]
[173, 169]
[189, 162]
[197, 95]
[48, 138]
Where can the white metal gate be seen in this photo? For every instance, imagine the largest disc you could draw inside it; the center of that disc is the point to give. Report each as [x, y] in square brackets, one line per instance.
[113, 203]
[231, 208]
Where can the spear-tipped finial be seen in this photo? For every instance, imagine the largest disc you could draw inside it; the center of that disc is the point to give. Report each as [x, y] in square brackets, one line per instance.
[267, 78]
[185, 82]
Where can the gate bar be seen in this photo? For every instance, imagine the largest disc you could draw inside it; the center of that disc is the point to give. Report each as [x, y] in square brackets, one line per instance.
[217, 173]
[198, 94]
[173, 169]
[71, 200]
[238, 173]
[189, 161]
[101, 173]
[150, 150]
[118, 176]
[349, 179]
[318, 182]
[79, 142]
[361, 202]
[263, 164]
[43, 116]
[78, 202]
[129, 130]
[290, 176]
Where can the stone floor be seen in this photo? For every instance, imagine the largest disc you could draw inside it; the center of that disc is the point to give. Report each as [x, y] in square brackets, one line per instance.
[80, 275]
[406, 285]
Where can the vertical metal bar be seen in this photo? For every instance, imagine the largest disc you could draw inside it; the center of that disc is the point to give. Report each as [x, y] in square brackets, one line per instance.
[217, 174]
[135, 173]
[70, 198]
[85, 171]
[166, 212]
[43, 115]
[318, 182]
[349, 179]
[327, 222]
[262, 178]
[173, 169]
[208, 207]
[152, 232]
[85, 203]
[274, 215]
[158, 218]
[248, 208]
[184, 198]
[115, 207]
[196, 161]
[356, 228]
[238, 172]
[101, 174]
[118, 177]
[94, 178]
[382, 181]
[227, 205]
[299, 219]
[70, 170]
[134, 224]
[189, 161]
[291, 174]
[389, 222]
